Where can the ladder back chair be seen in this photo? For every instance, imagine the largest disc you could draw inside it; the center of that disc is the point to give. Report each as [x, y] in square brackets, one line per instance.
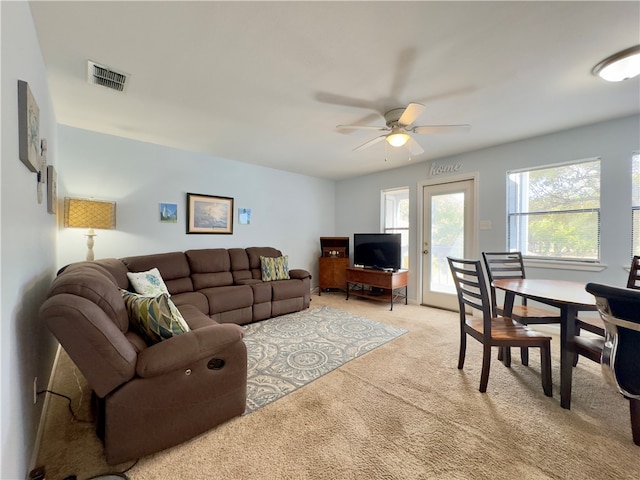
[633, 281]
[590, 346]
[506, 265]
[489, 330]
[620, 311]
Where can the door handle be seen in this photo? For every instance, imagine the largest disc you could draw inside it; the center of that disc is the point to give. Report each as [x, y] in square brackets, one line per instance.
[425, 251]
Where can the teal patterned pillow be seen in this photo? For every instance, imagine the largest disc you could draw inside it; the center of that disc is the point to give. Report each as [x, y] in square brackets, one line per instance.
[155, 318]
[274, 268]
[148, 283]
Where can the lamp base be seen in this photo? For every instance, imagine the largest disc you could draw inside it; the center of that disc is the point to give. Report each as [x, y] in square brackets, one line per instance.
[90, 234]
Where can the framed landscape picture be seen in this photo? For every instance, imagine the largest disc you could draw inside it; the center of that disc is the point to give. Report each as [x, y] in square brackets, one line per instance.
[209, 214]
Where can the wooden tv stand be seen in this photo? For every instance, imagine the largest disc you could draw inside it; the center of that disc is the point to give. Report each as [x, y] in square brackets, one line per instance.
[363, 282]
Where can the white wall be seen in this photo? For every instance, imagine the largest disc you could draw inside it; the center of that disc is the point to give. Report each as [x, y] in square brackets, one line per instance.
[28, 247]
[288, 211]
[358, 199]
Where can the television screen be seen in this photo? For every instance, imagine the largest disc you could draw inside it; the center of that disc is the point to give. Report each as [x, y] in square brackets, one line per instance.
[377, 250]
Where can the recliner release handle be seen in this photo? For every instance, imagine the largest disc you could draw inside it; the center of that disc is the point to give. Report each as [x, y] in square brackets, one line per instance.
[215, 364]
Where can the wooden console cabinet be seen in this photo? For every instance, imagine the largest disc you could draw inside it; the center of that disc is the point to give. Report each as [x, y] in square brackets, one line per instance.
[333, 263]
[332, 273]
[377, 284]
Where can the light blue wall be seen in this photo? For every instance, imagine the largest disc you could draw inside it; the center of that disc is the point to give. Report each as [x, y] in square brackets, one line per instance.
[288, 211]
[614, 141]
[28, 247]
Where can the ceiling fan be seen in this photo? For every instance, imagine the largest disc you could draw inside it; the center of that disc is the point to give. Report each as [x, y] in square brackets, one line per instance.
[399, 125]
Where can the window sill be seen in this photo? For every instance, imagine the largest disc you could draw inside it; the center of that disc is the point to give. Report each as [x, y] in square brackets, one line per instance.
[565, 265]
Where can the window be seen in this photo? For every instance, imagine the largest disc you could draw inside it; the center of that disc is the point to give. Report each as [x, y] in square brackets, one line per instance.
[553, 212]
[395, 217]
[635, 204]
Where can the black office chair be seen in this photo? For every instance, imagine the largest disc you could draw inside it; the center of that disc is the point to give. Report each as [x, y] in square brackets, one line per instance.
[620, 311]
[489, 330]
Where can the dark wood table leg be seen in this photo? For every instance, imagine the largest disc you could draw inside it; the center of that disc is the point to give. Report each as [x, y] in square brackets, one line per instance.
[567, 332]
[504, 355]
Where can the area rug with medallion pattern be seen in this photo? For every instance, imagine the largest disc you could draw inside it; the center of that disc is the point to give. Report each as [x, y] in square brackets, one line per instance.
[287, 352]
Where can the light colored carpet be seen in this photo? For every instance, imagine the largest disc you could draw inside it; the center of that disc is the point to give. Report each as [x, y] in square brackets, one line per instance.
[289, 351]
[401, 411]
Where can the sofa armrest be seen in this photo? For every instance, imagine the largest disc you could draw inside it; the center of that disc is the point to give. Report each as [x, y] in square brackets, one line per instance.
[184, 350]
[299, 274]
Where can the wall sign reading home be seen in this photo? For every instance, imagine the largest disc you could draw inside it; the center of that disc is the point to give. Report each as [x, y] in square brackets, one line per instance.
[209, 214]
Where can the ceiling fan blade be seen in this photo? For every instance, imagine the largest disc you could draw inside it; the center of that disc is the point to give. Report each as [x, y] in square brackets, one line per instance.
[414, 147]
[370, 142]
[421, 129]
[361, 127]
[411, 113]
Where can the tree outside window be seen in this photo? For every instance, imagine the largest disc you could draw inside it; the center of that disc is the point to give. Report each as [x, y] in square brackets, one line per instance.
[554, 211]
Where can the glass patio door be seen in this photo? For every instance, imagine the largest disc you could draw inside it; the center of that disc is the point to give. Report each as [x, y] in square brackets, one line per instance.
[448, 230]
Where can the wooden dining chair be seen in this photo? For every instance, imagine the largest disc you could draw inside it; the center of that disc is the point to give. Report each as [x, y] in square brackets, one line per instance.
[620, 312]
[506, 265]
[633, 281]
[490, 330]
[591, 346]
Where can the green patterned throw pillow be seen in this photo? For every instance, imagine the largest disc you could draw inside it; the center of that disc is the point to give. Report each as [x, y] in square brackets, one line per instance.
[274, 268]
[148, 283]
[155, 318]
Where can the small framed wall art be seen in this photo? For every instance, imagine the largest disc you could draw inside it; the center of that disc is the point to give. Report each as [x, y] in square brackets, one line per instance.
[28, 127]
[209, 214]
[168, 212]
[244, 216]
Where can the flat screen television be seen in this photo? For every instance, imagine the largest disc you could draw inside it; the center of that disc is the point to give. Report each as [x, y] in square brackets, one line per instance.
[377, 250]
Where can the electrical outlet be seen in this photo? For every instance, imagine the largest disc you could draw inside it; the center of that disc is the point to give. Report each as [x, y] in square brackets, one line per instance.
[35, 390]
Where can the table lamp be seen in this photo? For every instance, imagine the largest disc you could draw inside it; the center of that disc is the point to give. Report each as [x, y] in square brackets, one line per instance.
[85, 213]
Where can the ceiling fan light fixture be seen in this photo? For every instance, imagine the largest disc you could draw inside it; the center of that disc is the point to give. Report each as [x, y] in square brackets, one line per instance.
[397, 139]
[619, 66]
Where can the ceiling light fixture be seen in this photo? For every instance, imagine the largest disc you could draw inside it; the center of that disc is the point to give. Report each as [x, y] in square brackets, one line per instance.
[619, 66]
[397, 139]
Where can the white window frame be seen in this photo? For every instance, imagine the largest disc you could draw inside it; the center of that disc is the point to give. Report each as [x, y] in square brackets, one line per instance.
[389, 223]
[635, 202]
[549, 262]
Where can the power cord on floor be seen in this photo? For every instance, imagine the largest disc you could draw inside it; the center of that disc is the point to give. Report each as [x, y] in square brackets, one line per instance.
[109, 476]
[73, 414]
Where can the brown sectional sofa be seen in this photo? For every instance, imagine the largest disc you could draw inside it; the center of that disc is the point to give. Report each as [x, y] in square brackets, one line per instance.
[151, 397]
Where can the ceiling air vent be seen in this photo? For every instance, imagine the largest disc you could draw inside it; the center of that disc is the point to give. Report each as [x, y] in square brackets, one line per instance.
[107, 77]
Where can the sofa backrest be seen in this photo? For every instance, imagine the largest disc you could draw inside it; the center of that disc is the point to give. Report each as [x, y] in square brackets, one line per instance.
[86, 313]
[240, 268]
[210, 267]
[254, 254]
[173, 267]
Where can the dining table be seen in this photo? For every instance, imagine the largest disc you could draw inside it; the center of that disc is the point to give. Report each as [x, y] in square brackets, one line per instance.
[570, 298]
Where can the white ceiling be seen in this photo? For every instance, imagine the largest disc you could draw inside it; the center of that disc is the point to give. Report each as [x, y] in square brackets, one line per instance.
[267, 83]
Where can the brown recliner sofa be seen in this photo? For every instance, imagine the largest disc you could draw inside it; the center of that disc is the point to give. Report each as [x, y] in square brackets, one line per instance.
[154, 396]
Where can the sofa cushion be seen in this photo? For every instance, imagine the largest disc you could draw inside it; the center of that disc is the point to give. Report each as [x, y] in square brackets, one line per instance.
[155, 318]
[225, 299]
[240, 268]
[209, 267]
[274, 268]
[173, 267]
[254, 254]
[286, 289]
[149, 283]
